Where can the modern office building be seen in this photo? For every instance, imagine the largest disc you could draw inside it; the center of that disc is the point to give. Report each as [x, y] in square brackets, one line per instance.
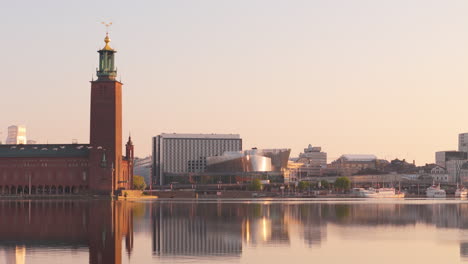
[16, 135]
[463, 142]
[176, 155]
[313, 156]
[314, 161]
[442, 157]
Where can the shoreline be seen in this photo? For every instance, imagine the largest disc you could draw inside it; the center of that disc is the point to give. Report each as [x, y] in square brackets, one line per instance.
[223, 198]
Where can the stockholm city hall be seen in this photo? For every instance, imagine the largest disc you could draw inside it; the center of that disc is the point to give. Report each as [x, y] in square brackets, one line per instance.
[94, 168]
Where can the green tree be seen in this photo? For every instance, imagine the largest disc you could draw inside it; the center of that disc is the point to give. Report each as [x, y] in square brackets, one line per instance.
[255, 185]
[139, 182]
[343, 183]
[303, 185]
[324, 184]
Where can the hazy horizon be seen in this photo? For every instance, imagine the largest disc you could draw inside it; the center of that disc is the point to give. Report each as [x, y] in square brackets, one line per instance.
[354, 77]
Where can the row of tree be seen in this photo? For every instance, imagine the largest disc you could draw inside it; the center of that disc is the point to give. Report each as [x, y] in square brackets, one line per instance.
[341, 183]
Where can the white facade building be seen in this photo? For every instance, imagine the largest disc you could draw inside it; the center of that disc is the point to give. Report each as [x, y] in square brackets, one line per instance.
[439, 174]
[181, 154]
[16, 135]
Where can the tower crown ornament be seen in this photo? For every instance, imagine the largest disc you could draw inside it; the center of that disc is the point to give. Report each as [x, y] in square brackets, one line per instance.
[106, 70]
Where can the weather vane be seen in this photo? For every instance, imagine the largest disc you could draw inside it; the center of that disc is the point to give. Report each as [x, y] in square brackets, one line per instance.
[107, 26]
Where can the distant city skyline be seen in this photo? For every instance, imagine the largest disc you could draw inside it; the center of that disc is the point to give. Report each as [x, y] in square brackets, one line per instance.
[355, 77]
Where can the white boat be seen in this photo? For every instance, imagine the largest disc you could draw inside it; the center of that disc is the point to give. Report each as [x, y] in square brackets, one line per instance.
[435, 192]
[378, 193]
[461, 192]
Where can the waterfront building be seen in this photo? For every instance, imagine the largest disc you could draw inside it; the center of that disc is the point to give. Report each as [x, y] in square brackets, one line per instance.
[464, 173]
[454, 169]
[313, 160]
[314, 156]
[463, 142]
[350, 164]
[439, 174]
[178, 155]
[296, 171]
[30, 142]
[442, 157]
[97, 167]
[142, 167]
[254, 160]
[243, 166]
[16, 135]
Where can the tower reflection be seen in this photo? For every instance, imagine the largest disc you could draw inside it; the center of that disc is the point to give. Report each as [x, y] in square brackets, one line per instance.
[99, 226]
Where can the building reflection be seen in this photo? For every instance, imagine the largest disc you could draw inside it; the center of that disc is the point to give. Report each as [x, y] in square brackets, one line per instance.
[98, 226]
[225, 228]
[105, 228]
[196, 229]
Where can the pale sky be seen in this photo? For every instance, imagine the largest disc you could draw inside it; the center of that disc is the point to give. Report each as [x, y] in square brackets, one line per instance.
[353, 76]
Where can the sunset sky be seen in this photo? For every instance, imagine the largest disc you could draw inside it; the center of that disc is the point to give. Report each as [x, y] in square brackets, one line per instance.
[388, 78]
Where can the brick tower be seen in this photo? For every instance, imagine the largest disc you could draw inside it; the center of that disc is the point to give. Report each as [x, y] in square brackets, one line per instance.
[106, 124]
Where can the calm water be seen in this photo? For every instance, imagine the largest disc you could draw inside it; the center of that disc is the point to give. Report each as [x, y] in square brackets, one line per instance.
[333, 231]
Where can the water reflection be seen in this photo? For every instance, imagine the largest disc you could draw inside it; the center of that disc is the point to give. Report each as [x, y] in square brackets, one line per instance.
[98, 226]
[166, 231]
[224, 229]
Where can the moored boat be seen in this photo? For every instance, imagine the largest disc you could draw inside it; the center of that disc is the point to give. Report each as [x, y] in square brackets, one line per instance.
[378, 193]
[461, 192]
[435, 191]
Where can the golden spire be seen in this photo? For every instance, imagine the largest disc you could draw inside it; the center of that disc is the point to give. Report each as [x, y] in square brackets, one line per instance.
[107, 40]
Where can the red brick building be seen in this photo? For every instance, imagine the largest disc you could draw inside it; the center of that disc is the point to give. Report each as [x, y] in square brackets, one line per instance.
[95, 168]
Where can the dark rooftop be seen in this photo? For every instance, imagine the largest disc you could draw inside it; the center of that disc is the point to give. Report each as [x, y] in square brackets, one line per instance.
[44, 150]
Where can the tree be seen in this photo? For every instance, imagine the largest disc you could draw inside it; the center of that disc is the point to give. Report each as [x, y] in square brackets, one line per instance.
[303, 185]
[139, 182]
[324, 184]
[255, 185]
[343, 183]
